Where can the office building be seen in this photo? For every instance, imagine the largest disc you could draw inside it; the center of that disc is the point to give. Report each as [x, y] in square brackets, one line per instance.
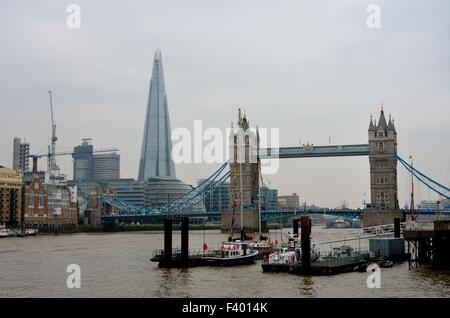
[128, 190]
[291, 202]
[21, 156]
[160, 192]
[83, 161]
[89, 166]
[269, 199]
[219, 198]
[106, 166]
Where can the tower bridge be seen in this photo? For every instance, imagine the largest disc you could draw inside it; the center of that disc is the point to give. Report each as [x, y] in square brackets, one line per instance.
[381, 150]
[244, 176]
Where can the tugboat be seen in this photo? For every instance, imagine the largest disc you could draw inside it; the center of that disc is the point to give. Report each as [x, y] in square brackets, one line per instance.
[231, 254]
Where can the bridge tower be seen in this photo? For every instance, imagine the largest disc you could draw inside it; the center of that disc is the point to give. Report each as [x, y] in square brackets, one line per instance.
[383, 169]
[383, 163]
[244, 176]
[244, 163]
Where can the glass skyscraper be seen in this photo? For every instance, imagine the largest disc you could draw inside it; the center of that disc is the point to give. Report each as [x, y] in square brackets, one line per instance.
[156, 160]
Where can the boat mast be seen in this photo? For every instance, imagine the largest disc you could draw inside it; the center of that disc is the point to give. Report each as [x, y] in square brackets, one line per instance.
[240, 198]
[241, 154]
[281, 227]
[259, 200]
[413, 217]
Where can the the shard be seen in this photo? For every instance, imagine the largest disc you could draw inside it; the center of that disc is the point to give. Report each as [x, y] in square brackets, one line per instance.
[156, 160]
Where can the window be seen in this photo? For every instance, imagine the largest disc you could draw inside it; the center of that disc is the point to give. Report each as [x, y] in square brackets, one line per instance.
[382, 164]
[381, 134]
[41, 200]
[31, 200]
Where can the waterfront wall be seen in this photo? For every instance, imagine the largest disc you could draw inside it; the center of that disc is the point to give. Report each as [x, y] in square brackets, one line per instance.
[380, 217]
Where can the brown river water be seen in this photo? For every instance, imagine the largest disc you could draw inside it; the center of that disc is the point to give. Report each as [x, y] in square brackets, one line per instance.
[118, 265]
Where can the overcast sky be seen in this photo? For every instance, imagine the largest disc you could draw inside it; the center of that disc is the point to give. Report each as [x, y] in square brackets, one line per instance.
[311, 68]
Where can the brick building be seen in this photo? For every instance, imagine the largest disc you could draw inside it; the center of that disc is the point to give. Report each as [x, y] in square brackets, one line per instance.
[10, 197]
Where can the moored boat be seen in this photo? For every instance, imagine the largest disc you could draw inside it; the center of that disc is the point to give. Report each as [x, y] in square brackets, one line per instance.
[338, 224]
[264, 248]
[282, 261]
[4, 232]
[31, 232]
[231, 254]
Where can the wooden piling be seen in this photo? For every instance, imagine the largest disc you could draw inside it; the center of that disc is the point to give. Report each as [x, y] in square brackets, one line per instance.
[185, 241]
[305, 222]
[167, 242]
[396, 227]
[295, 226]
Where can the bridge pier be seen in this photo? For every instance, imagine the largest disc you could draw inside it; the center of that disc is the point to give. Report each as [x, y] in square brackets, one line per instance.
[167, 242]
[380, 217]
[251, 221]
[181, 260]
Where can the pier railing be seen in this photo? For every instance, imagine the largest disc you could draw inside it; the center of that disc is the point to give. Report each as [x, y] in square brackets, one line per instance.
[176, 252]
[420, 226]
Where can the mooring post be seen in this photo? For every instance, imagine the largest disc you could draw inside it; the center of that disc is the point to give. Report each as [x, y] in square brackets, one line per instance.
[185, 241]
[167, 242]
[295, 226]
[397, 227]
[305, 222]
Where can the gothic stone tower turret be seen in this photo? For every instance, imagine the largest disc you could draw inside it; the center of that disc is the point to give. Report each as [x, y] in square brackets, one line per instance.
[383, 164]
[244, 176]
[244, 163]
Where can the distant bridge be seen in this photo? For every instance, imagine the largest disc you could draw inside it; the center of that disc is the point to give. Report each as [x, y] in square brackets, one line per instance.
[155, 217]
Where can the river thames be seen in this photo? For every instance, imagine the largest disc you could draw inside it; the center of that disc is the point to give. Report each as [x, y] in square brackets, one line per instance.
[118, 265]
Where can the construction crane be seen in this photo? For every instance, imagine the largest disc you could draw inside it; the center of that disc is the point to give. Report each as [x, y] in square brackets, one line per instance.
[52, 167]
[51, 162]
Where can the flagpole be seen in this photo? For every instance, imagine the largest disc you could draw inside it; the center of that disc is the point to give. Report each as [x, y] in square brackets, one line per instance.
[413, 217]
[204, 230]
[259, 200]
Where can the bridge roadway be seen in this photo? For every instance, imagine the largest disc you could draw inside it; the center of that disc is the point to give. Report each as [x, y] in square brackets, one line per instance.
[306, 151]
[154, 217]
